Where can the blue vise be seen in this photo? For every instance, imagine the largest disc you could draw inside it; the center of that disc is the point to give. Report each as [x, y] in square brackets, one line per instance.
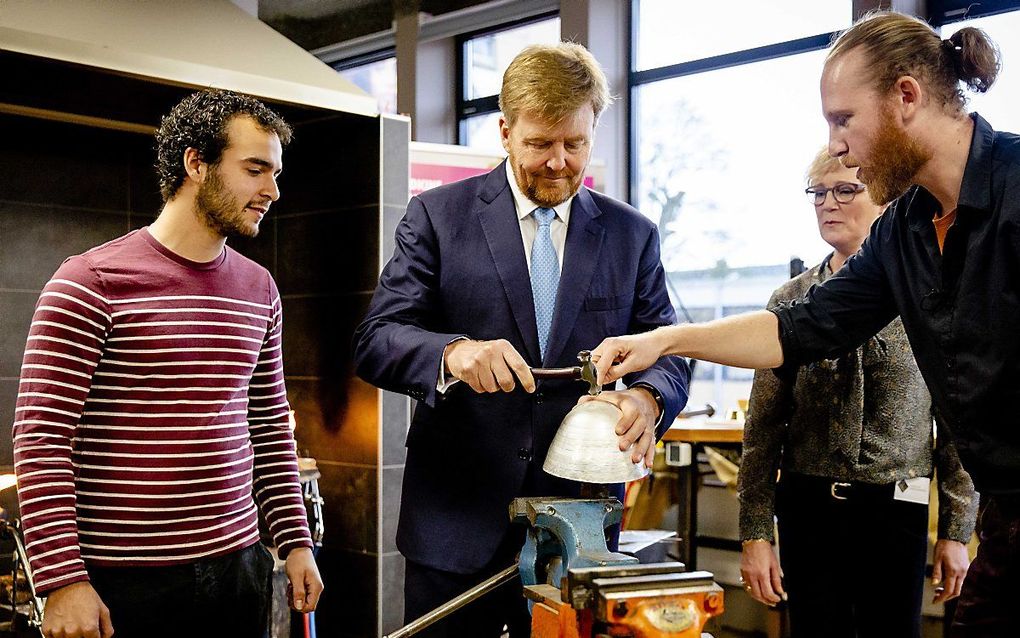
[563, 534]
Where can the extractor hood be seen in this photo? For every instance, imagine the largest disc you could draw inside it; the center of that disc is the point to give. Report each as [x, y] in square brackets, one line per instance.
[196, 43]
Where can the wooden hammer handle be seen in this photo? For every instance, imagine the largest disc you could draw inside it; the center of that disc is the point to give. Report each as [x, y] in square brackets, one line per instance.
[557, 373]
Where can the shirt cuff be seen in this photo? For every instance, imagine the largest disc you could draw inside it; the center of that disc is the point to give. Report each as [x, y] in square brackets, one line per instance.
[444, 384]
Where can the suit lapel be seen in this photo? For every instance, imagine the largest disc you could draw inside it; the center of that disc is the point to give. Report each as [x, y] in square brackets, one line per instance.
[498, 218]
[580, 258]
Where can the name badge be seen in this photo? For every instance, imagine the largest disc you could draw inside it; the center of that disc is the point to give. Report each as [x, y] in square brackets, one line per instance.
[913, 490]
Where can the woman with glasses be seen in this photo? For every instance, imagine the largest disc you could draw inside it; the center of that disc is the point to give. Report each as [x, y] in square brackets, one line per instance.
[852, 442]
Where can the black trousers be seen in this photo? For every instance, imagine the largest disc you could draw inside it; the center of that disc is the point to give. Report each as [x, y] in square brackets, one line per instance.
[989, 605]
[426, 588]
[216, 597]
[853, 568]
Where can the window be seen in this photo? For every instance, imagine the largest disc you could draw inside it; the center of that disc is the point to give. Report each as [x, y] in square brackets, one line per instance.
[484, 58]
[481, 132]
[375, 74]
[672, 32]
[724, 124]
[998, 105]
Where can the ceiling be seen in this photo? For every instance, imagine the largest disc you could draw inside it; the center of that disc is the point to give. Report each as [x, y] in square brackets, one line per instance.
[317, 23]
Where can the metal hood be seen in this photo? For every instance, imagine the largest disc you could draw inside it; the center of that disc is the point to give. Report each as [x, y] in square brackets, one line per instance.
[199, 43]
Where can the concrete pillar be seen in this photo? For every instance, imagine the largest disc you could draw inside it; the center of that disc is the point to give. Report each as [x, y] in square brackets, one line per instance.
[603, 26]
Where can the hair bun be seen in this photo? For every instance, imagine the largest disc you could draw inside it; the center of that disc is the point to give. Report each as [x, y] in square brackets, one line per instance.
[975, 58]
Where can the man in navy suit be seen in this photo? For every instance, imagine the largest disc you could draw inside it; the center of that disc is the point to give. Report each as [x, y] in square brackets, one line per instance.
[519, 268]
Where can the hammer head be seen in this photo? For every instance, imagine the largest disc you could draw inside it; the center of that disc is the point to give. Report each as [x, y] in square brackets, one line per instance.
[588, 372]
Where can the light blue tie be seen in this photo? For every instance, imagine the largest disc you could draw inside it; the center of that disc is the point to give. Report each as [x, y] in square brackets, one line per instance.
[545, 275]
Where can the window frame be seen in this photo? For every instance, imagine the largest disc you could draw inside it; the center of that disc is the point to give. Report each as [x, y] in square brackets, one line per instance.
[466, 109]
[942, 13]
[363, 59]
[636, 79]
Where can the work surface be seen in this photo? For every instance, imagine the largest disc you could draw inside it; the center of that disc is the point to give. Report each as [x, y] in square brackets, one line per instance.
[707, 431]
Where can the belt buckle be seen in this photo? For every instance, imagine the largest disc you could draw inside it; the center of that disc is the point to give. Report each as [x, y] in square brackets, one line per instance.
[834, 486]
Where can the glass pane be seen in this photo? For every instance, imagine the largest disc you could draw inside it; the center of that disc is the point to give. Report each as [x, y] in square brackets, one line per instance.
[999, 104]
[482, 132]
[724, 177]
[670, 32]
[487, 57]
[378, 79]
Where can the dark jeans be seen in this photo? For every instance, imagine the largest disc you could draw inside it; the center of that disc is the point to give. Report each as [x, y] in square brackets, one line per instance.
[214, 597]
[990, 602]
[426, 588]
[852, 568]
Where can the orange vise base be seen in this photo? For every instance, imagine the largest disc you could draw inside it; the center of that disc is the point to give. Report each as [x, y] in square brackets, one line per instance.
[658, 600]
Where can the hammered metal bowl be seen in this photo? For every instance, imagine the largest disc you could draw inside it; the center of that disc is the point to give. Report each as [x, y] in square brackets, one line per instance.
[586, 447]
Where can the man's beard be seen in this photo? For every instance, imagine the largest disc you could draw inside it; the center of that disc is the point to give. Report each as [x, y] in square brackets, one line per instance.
[546, 196]
[220, 211]
[897, 158]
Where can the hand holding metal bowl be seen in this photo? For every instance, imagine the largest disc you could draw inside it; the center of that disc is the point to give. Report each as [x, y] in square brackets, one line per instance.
[586, 446]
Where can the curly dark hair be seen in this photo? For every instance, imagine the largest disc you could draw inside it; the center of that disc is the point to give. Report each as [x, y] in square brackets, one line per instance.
[200, 122]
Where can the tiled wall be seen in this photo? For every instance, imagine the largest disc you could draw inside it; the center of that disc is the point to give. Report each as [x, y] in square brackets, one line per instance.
[66, 188]
[326, 249]
[63, 190]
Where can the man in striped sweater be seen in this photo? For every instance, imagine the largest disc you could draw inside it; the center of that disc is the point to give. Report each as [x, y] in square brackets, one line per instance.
[152, 418]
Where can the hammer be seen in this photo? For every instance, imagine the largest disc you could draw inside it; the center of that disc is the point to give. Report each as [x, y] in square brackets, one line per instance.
[583, 372]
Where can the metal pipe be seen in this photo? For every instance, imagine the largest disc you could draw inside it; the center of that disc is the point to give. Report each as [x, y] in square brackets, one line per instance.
[708, 410]
[454, 604]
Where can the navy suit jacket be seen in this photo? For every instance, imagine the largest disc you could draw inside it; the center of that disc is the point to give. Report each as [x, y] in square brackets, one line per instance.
[459, 269]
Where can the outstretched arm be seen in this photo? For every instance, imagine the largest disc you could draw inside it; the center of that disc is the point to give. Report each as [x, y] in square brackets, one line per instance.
[748, 341]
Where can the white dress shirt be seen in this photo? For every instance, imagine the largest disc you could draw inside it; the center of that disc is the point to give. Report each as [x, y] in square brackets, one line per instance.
[529, 225]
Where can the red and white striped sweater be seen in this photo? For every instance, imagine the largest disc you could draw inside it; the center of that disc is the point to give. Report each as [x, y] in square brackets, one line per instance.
[151, 410]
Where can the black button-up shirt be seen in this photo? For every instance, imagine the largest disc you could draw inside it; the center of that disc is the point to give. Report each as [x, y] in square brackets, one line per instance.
[960, 309]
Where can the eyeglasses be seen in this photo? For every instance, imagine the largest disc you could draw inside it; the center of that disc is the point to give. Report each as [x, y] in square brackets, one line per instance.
[843, 193]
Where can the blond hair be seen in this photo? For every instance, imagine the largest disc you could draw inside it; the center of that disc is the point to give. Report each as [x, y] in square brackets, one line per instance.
[822, 165]
[553, 81]
[897, 44]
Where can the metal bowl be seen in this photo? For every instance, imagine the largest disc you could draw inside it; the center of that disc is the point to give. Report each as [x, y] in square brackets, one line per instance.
[586, 448]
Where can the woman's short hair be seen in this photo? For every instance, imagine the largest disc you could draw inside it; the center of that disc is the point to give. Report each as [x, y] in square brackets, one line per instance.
[822, 165]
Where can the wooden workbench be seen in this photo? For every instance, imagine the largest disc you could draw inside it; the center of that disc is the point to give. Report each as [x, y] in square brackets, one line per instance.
[705, 432]
[696, 432]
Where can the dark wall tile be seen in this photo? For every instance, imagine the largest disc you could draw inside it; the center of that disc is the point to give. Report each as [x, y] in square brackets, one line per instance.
[332, 163]
[317, 334]
[16, 310]
[392, 598]
[8, 398]
[35, 240]
[57, 163]
[396, 161]
[348, 607]
[329, 252]
[143, 194]
[138, 220]
[392, 479]
[394, 424]
[351, 509]
[337, 419]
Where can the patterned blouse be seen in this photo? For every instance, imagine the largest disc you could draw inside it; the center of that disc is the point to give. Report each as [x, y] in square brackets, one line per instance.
[865, 417]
